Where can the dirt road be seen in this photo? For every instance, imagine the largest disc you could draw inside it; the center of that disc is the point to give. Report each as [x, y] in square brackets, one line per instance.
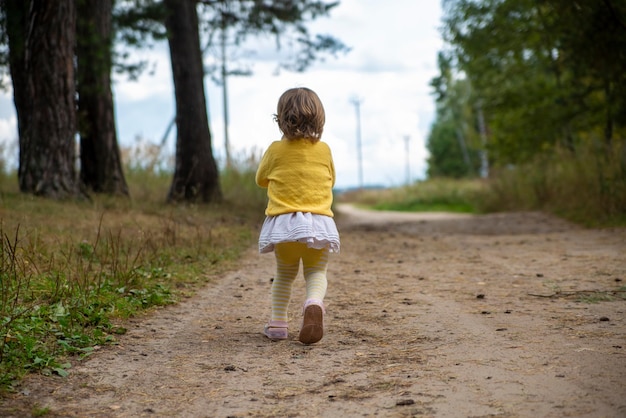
[507, 315]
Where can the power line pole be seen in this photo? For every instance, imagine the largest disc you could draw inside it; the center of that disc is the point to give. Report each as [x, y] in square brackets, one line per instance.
[224, 86]
[357, 106]
[407, 138]
[484, 161]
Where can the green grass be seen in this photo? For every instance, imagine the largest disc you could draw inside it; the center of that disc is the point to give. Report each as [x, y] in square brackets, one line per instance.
[72, 272]
[419, 206]
[587, 187]
[437, 195]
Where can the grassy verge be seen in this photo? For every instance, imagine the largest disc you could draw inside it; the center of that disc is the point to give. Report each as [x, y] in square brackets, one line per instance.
[588, 188]
[71, 272]
[437, 195]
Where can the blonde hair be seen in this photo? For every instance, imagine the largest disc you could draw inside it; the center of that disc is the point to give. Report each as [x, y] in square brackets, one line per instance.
[300, 114]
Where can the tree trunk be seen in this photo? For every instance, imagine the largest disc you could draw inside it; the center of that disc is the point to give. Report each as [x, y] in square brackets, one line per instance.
[100, 160]
[47, 144]
[196, 177]
[17, 30]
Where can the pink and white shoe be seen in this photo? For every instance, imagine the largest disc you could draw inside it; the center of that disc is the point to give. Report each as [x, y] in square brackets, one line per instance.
[313, 322]
[276, 330]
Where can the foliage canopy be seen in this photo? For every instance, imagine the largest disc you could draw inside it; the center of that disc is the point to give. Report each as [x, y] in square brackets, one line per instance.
[546, 74]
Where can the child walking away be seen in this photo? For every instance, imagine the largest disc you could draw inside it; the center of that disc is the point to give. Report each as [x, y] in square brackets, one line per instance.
[299, 175]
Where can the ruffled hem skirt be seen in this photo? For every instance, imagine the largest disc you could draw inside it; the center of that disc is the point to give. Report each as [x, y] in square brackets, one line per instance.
[317, 231]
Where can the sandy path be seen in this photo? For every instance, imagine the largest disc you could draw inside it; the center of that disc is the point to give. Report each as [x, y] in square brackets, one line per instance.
[436, 316]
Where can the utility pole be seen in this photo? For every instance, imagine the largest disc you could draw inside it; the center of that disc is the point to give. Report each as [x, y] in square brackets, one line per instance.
[407, 138]
[223, 39]
[484, 161]
[357, 106]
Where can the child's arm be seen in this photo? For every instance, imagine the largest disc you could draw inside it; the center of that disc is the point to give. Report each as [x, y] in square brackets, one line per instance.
[332, 168]
[262, 173]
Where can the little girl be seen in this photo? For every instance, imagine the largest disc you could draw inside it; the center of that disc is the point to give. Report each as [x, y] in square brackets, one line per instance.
[299, 175]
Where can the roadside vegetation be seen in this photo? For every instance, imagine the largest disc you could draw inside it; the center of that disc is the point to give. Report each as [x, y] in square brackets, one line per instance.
[587, 188]
[516, 99]
[435, 195]
[72, 271]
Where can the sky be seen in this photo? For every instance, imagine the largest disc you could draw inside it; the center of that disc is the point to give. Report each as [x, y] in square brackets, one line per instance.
[393, 57]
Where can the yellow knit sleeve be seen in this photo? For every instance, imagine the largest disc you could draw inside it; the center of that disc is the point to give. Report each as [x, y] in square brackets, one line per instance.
[262, 172]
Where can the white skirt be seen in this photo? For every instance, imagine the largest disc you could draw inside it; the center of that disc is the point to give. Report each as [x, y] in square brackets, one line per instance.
[317, 231]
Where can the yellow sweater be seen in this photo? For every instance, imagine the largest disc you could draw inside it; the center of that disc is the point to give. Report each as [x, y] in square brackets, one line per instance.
[299, 177]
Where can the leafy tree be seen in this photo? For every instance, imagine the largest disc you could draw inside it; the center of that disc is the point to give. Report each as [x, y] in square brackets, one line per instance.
[547, 73]
[488, 38]
[137, 24]
[446, 156]
[592, 40]
[285, 20]
[453, 140]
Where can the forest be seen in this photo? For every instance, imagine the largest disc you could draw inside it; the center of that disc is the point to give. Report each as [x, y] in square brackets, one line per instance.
[532, 95]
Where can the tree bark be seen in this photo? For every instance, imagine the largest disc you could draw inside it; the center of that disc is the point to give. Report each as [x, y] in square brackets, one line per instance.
[47, 136]
[17, 30]
[196, 177]
[100, 161]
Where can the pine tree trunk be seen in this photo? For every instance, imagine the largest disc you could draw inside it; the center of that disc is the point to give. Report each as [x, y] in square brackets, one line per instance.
[17, 30]
[100, 160]
[47, 137]
[196, 177]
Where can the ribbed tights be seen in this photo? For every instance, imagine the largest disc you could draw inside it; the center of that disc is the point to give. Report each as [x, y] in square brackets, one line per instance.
[288, 256]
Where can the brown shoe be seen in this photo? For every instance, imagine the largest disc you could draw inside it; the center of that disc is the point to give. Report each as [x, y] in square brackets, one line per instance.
[313, 323]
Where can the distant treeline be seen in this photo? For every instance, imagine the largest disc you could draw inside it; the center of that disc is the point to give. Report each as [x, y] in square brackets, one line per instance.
[532, 96]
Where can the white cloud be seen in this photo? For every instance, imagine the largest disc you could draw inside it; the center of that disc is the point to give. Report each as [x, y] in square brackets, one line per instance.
[8, 141]
[8, 128]
[157, 82]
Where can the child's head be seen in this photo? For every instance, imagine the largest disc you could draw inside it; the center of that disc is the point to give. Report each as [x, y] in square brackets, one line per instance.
[300, 114]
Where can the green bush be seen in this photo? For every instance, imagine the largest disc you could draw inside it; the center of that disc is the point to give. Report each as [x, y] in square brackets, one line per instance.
[588, 186]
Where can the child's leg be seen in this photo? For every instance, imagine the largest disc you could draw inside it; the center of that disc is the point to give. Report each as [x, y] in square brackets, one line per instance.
[315, 264]
[287, 265]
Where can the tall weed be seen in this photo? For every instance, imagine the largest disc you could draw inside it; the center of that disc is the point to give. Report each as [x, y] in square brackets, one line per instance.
[587, 187]
[239, 186]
